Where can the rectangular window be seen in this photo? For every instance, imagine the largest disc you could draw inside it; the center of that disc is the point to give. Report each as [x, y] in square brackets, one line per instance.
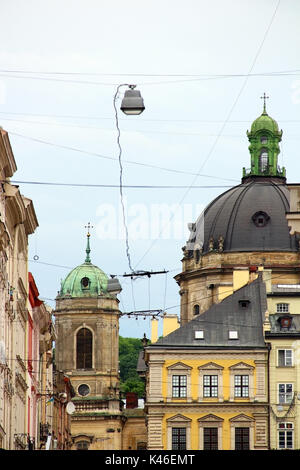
[241, 386]
[285, 357]
[210, 385]
[210, 439]
[242, 439]
[199, 334]
[282, 308]
[233, 334]
[285, 393]
[285, 435]
[178, 438]
[179, 383]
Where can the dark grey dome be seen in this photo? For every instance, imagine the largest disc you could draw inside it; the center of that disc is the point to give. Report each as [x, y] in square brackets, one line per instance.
[248, 217]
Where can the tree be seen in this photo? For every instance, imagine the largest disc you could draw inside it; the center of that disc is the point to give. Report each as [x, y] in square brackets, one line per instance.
[129, 349]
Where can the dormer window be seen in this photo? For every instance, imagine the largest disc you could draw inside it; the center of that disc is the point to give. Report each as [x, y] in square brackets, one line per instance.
[85, 282]
[233, 334]
[285, 322]
[244, 303]
[264, 139]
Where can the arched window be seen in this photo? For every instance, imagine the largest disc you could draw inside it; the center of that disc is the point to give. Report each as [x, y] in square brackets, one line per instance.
[196, 309]
[82, 445]
[263, 160]
[84, 348]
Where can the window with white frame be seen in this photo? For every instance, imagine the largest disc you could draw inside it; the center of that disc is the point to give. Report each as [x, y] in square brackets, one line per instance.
[241, 386]
[282, 308]
[179, 386]
[233, 334]
[178, 438]
[285, 435]
[210, 386]
[179, 381]
[285, 357]
[285, 393]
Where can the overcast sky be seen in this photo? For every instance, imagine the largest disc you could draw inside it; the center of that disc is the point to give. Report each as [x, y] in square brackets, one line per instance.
[201, 68]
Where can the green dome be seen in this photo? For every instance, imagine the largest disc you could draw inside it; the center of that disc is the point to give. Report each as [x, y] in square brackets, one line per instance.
[266, 123]
[86, 280]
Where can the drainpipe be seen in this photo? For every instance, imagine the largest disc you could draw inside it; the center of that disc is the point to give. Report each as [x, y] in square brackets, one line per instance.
[269, 346]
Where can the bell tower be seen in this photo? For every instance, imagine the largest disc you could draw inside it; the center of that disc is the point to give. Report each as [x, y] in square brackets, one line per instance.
[264, 138]
[87, 350]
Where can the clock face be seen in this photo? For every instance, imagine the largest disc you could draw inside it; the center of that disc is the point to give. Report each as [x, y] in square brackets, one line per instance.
[83, 390]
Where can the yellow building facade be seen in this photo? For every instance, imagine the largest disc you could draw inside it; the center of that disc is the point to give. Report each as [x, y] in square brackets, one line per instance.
[207, 382]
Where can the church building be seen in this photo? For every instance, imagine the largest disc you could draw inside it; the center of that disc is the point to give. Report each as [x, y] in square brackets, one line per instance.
[246, 237]
[87, 351]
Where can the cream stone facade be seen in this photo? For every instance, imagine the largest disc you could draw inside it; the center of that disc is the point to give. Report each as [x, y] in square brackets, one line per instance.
[87, 351]
[17, 221]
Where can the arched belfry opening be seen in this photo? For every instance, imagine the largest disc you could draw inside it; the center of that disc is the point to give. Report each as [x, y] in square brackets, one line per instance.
[84, 349]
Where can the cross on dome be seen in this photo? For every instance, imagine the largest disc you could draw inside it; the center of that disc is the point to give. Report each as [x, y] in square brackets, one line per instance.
[264, 97]
[88, 250]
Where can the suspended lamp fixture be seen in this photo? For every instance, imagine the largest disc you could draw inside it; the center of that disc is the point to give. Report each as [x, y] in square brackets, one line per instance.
[132, 103]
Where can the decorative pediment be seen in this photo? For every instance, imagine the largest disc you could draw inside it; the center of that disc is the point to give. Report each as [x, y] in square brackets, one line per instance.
[179, 419]
[241, 366]
[179, 366]
[83, 437]
[211, 366]
[241, 419]
[210, 418]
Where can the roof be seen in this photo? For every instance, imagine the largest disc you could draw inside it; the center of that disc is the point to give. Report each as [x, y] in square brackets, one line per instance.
[87, 280]
[233, 217]
[243, 311]
[264, 122]
[74, 286]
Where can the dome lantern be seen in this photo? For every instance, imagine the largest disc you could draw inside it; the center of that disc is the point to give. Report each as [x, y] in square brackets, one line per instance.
[264, 138]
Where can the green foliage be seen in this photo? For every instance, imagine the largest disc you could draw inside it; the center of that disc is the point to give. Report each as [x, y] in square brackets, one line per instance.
[130, 381]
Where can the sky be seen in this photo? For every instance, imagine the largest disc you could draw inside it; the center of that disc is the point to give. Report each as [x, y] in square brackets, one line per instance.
[201, 68]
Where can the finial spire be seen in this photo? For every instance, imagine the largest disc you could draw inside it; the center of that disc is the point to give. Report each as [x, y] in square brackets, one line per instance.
[264, 97]
[88, 250]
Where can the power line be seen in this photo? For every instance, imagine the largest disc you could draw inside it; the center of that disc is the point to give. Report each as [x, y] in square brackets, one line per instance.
[69, 116]
[87, 185]
[98, 155]
[121, 176]
[278, 72]
[224, 123]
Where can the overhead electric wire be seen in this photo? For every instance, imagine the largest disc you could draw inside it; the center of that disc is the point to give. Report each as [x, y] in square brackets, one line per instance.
[70, 116]
[98, 155]
[178, 78]
[223, 125]
[132, 186]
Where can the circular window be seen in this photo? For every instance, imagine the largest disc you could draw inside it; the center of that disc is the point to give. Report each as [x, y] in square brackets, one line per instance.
[264, 139]
[260, 219]
[83, 390]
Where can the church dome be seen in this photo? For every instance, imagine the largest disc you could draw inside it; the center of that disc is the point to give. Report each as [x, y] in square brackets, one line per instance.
[264, 122]
[87, 280]
[248, 217]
